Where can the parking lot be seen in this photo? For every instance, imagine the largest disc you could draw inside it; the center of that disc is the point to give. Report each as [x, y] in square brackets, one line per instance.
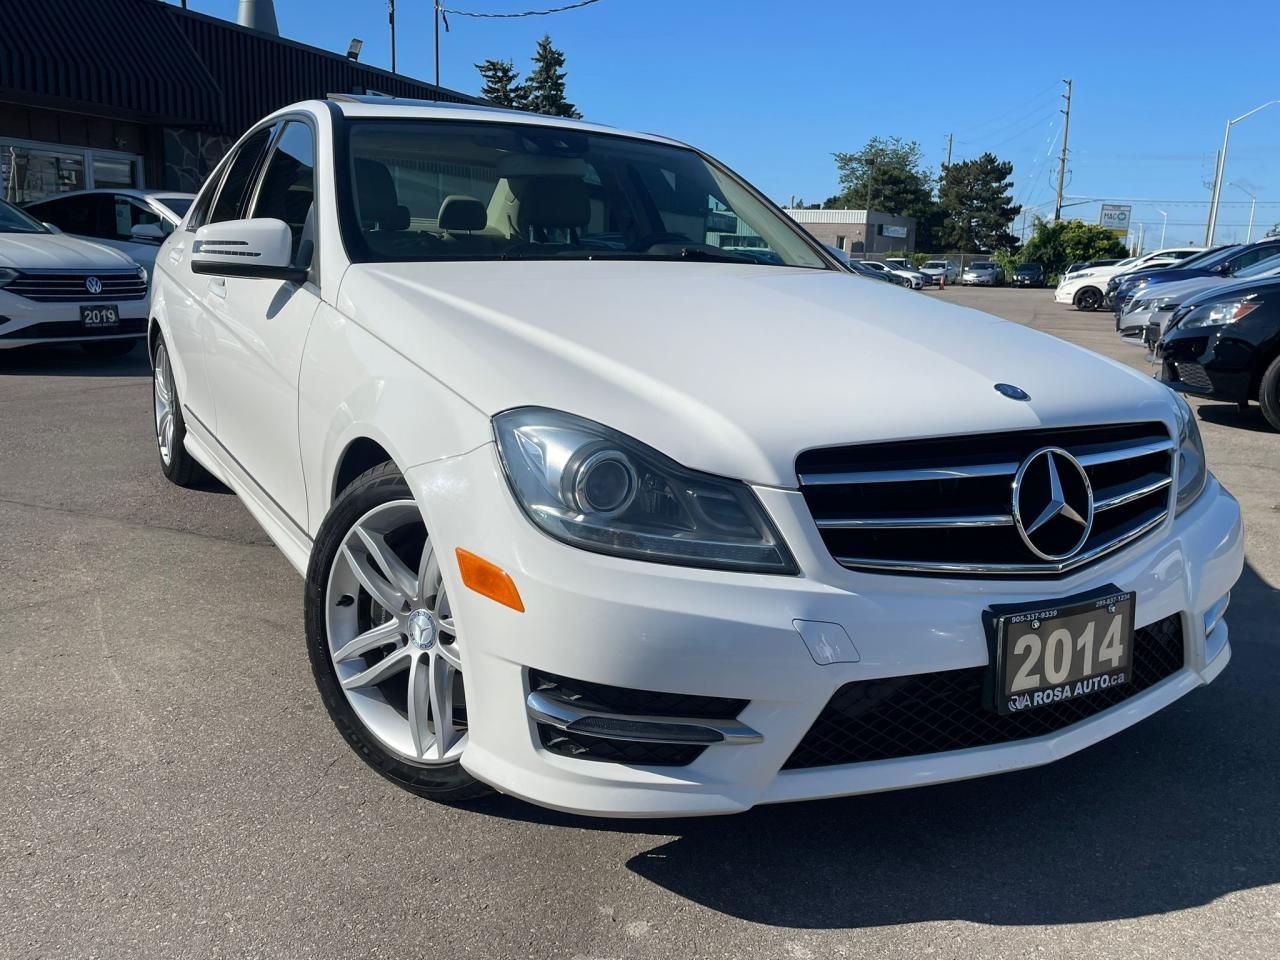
[174, 788]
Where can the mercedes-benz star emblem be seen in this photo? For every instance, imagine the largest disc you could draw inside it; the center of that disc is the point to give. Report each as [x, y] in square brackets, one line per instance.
[1052, 504]
[93, 285]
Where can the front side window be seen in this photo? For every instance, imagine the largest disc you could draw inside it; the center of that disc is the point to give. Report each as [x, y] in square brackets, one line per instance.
[444, 190]
[234, 192]
[288, 187]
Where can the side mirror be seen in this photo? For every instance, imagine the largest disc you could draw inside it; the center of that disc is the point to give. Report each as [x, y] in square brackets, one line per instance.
[260, 249]
[147, 232]
[52, 227]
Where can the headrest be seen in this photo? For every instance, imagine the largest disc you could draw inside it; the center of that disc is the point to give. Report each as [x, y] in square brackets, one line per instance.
[555, 202]
[462, 213]
[376, 197]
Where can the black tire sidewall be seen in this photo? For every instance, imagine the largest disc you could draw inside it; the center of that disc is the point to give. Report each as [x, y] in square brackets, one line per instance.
[1269, 394]
[446, 782]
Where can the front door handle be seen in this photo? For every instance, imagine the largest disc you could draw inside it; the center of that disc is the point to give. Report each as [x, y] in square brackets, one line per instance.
[218, 287]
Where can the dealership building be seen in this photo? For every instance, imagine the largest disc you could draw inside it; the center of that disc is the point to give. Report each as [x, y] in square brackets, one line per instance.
[859, 231]
[142, 93]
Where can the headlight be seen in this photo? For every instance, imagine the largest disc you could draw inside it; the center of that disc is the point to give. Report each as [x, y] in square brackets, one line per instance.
[597, 489]
[6, 275]
[1081, 275]
[1191, 470]
[1154, 303]
[1219, 313]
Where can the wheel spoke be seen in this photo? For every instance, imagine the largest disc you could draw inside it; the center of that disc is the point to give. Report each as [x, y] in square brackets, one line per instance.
[419, 704]
[388, 666]
[441, 693]
[428, 573]
[399, 575]
[383, 592]
[382, 634]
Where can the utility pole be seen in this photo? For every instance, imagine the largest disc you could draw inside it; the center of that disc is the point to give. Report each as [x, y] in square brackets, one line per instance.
[436, 5]
[391, 15]
[1062, 161]
[950, 138]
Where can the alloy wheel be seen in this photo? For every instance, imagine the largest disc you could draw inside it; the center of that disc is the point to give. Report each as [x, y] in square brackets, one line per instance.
[162, 378]
[392, 638]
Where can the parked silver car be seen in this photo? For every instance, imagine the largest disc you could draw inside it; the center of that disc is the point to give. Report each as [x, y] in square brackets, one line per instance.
[984, 273]
[937, 270]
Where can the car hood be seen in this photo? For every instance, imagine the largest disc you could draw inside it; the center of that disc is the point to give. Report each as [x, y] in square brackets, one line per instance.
[57, 251]
[733, 369]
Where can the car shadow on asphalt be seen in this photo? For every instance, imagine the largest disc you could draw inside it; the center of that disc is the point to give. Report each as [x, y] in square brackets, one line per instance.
[1173, 813]
[1230, 415]
[71, 361]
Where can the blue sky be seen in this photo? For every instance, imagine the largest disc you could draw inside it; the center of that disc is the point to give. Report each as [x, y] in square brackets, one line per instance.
[773, 88]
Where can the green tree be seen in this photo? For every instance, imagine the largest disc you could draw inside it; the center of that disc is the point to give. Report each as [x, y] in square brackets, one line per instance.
[977, 205]
[501, 83]
[544, 90]
[888, 175]
[1057, 245]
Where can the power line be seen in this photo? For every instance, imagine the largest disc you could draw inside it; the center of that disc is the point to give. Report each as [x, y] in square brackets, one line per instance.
[513, 16]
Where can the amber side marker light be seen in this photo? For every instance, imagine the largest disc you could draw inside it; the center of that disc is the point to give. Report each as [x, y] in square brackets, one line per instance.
[488, 580]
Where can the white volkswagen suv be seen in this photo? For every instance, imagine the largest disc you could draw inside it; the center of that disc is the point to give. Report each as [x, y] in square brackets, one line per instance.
[596, 513]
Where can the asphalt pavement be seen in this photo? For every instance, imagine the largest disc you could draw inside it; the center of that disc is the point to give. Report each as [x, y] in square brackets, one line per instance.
[172, 787]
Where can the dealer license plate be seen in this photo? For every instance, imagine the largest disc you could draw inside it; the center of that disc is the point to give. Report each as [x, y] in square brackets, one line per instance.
[100, 315]
[1060, 652]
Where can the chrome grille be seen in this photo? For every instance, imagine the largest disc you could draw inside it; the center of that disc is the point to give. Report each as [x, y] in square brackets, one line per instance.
[71, 288]
[944, 506]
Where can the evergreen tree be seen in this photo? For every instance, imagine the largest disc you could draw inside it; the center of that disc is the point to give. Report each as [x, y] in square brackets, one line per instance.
[501, 83]
[976, 199]
[545, 89]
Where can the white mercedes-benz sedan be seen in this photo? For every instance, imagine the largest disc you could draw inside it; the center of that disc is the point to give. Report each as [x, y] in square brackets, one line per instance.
[597, 512]
[60, 289]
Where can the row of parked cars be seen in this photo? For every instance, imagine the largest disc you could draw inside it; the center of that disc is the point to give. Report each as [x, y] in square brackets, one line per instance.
[76, 268]
[981, 273]
[1209, 316]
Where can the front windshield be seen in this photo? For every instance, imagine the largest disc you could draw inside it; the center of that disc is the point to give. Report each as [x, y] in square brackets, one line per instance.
[179, 205]
[13, 220]
[458, 190]
[1261, 268]
[1205, 258]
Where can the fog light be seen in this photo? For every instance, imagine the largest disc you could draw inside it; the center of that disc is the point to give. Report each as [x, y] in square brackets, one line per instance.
[1212, 620]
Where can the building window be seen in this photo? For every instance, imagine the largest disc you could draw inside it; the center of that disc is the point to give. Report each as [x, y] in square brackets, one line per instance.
[840, 241]
[34, 171]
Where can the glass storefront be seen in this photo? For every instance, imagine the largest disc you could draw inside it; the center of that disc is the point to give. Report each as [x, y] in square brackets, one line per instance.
[30, 171]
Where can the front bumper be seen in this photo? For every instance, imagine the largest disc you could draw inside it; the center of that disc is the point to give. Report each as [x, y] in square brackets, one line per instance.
[714, 634]
[1207, 362]
[25, 323]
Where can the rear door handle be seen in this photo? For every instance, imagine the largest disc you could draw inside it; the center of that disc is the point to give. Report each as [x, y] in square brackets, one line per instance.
[218, 287]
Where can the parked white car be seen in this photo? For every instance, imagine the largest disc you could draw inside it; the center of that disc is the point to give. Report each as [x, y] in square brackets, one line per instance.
[58, 289]
[593, 512]
[1086, 289]
[908, 278]
[938, 270]
[135, 222]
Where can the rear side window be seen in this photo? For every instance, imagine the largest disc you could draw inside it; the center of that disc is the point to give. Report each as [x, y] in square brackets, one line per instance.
[234, 192]
[288, 187]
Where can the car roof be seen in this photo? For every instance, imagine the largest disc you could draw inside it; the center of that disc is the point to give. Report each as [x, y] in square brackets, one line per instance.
[355, 106]
[142, 194]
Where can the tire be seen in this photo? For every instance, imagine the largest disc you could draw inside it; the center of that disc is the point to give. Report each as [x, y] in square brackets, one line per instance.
[170, 427]
[109, 348]
[1269, 394]
[1089, 299]
[375, 526]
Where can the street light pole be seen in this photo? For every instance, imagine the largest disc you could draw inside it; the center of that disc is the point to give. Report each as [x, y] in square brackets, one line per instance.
[1253, 205]
[1222, 165]
[1163, 225]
